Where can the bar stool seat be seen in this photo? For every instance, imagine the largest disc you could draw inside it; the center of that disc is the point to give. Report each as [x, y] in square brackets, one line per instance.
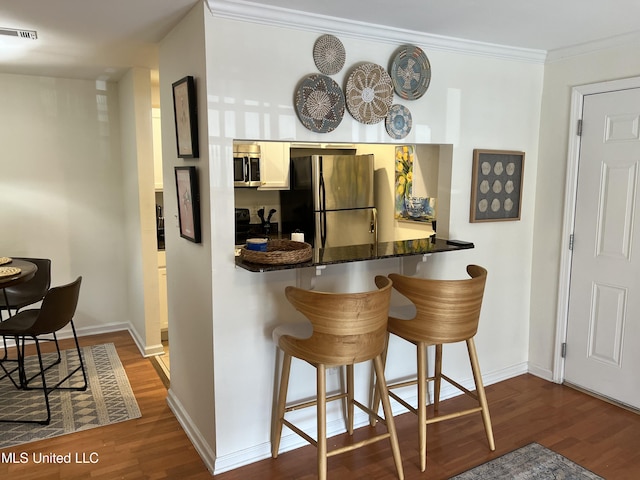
[343, 329]
[446, 311]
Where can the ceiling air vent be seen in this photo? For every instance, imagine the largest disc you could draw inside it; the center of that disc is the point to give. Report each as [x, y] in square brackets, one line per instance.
[13, 32]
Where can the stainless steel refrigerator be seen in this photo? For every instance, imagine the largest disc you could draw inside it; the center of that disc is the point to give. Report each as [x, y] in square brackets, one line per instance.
[331, 200]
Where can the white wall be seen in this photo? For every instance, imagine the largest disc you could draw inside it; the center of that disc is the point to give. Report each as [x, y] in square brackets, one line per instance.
[189, 275]
[139, 221]
[559, 77]
[61, 189]
[473, 102]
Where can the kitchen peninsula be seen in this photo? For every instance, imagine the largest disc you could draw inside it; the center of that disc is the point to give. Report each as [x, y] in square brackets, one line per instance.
[356, 253]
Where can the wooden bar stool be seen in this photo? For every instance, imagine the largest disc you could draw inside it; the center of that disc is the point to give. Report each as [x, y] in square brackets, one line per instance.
[347, 328]
[447, 311]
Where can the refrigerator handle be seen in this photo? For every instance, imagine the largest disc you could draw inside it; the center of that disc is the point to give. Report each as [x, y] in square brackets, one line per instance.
[323, 228]
[374, 225]
[323, 208]
[323, 194]
[245, 161]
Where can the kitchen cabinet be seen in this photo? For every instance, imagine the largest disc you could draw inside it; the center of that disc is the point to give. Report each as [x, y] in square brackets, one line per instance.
[162, 290]
[157, 148]
[274, 165]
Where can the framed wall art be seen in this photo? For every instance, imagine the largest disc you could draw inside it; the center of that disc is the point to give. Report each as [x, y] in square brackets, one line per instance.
[407, 206]
[496, 185]
[186, 117]
[188, 203]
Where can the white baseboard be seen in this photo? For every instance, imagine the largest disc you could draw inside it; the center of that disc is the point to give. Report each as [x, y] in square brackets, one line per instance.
[148, 351]
[200, 444]
[85, 331]
[289, 441]
[110, 328]
[543, 373]
[115, 327]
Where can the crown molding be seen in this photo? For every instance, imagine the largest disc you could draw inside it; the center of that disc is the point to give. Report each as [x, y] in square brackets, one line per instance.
[245, 11]
[595, 46]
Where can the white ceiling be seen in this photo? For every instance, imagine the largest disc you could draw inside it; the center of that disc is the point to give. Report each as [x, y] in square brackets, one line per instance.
[102, 38]
[534, 24]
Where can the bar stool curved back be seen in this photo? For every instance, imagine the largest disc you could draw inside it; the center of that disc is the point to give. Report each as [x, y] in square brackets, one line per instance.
[346, 328]
[447, 311]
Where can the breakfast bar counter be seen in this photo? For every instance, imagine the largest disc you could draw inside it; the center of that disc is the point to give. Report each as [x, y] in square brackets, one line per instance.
[357, 253]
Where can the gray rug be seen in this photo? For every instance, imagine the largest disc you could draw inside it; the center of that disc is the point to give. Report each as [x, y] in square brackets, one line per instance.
[531, 462]
[108, 398]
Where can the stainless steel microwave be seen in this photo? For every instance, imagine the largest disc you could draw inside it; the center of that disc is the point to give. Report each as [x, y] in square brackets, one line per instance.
[246, 165]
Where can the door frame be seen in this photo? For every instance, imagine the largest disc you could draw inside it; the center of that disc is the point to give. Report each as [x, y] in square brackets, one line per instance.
[571, 187]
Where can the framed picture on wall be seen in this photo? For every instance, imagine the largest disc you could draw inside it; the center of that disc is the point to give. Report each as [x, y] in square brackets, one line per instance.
[496, 185]
[188, 203]
[186, 117]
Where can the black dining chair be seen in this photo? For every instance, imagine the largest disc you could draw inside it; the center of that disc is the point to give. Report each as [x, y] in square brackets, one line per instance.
[57, 311]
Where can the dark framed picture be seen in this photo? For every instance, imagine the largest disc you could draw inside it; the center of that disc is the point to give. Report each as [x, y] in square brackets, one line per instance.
[188, 203]
[496, 185]
[186, 117]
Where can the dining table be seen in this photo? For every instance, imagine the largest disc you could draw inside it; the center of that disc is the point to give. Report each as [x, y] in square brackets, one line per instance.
[14, 272]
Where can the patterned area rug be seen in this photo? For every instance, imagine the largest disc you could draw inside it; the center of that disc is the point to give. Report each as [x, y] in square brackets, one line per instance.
[108, 398]
[531, 462]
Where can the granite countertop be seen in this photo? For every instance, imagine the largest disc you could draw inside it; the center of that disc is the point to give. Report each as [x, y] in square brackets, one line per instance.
[356, 253]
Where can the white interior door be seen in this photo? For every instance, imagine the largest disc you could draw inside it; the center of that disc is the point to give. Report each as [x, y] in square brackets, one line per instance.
[603, 331]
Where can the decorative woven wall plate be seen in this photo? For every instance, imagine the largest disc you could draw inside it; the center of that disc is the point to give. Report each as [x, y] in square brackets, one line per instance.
[411, 72]
[369, 93]
[328, 54]
[319, 103]
[398, 121]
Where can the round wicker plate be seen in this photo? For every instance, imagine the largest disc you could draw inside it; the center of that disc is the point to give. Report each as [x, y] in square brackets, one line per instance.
[411, 72]
[319, 103]
[9, 271]
[369, 93]
[279, 252]
[398, 121]
[328, 54]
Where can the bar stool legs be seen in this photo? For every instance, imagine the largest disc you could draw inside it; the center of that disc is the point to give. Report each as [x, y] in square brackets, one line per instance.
[422, 404]
[278, 419]
[321, 415]
[322, 421]
[482, 397]
[388, 415]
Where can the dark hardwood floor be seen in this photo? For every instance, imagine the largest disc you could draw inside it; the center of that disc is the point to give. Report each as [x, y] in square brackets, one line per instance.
[599, 436]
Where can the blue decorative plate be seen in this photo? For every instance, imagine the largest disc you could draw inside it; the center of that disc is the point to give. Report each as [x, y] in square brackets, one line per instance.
[398, 121]
[410, 72]
[319, 103]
